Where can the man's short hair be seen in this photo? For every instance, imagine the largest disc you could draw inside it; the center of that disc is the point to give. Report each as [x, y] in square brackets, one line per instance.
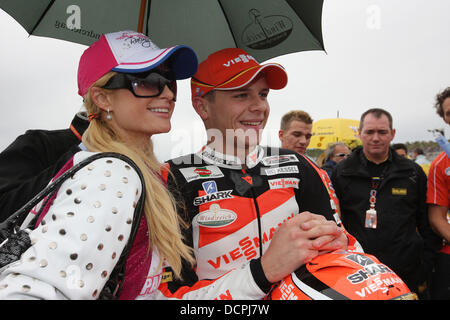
[210, 96]
[400, 146]
[440, 97]
[377, 113]
[298, 115]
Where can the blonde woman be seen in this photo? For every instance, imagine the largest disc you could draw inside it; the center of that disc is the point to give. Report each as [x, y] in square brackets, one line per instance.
[129, 90]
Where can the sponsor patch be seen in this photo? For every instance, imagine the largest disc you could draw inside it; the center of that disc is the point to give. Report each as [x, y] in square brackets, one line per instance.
[447, 171]
[218, 195]
[248, 179]
[399, 191]
[284, 183]
[216, 217]
[281, 170]
[167, 277]
[218, 158]
[206, 172]
[209, 187]
[367, 272]
[360, 259]
[275, 160]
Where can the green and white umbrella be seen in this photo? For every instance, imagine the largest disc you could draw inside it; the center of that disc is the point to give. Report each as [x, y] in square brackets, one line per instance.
[263, 28]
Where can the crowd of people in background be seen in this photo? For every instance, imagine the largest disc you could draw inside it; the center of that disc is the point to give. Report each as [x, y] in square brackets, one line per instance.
[391, 217]
[385, 200]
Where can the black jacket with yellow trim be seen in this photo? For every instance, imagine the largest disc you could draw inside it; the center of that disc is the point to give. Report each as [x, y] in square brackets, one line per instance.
[403, 239]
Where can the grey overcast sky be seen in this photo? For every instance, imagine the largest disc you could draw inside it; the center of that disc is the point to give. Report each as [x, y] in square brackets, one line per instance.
[393, 54]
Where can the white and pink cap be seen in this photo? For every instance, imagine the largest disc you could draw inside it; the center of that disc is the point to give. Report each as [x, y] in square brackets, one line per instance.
[131, 52]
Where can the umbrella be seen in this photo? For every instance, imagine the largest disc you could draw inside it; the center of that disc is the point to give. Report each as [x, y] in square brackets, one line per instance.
[263, 28]
[328, 131]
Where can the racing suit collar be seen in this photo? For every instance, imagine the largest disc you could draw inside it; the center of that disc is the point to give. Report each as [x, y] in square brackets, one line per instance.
[215, 157]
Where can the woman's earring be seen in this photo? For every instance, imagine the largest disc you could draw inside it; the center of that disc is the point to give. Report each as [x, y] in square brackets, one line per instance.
[108, 116]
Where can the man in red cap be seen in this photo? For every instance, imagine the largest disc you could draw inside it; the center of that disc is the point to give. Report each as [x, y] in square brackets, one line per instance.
[254, 214]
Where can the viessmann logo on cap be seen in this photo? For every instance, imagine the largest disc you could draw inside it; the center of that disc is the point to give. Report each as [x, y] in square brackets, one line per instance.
[244, 58]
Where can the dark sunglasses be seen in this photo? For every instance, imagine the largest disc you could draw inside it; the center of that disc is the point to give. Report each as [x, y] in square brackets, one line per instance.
[143, 85]
[341, 155]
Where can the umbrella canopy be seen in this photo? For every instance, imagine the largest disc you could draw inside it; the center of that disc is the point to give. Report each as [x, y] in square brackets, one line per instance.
[328, 131]
[263, 28]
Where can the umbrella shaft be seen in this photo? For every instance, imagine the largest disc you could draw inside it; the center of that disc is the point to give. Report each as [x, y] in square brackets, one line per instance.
[141, 15]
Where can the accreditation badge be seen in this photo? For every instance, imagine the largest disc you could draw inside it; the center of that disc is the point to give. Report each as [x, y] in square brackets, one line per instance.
[371, 219]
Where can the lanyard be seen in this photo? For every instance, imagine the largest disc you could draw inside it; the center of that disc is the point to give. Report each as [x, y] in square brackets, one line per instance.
[371, 219]
[375, 183]
[371, 214]
[373, 192]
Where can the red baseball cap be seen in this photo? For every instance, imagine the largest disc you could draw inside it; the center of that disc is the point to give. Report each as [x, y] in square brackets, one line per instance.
[233, 68]
[131, 52]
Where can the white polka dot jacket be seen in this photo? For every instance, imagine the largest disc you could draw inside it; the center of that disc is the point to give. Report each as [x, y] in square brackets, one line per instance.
[81, 237]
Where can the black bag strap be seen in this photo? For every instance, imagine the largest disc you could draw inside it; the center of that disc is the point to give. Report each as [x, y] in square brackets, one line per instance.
[113, 286]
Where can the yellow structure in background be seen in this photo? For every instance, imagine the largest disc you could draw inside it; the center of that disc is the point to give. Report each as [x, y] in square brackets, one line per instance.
[328, 131]
[426, 168]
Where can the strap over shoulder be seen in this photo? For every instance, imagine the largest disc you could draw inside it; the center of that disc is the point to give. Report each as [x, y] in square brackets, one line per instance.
[11, 226]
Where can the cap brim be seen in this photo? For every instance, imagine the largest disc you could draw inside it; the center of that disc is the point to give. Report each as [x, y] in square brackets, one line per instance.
[184, 62]
[275, 74]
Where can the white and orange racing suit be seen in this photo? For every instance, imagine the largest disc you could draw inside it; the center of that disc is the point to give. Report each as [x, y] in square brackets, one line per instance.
[233, 213]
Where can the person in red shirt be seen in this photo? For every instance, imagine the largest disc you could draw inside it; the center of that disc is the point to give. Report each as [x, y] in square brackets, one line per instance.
[438, 198]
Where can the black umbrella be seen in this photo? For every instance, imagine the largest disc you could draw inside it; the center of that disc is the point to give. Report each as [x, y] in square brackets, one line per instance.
[263, 28]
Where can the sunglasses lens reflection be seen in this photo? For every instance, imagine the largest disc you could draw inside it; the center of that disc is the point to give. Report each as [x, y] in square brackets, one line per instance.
[342, 155]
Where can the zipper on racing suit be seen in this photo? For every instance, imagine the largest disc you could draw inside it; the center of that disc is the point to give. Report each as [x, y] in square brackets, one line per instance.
[258, 215]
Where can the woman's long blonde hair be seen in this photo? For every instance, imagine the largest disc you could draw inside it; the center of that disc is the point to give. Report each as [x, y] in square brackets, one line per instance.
[160, 209]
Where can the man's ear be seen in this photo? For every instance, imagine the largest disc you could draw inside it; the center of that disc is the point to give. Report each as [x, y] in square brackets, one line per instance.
[201, 107]
[280, 135]
[393, 134]
[100, 98]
